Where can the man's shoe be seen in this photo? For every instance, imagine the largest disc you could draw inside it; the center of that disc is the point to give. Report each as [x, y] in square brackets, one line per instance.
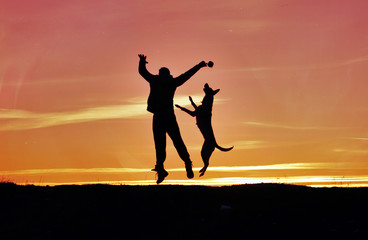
[161, 175]
[188, 167]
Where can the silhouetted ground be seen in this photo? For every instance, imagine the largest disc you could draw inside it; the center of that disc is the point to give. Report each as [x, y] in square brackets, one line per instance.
[261, 211]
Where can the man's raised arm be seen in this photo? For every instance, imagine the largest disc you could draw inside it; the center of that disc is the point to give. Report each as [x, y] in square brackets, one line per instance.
[185, 76]
[142, 68]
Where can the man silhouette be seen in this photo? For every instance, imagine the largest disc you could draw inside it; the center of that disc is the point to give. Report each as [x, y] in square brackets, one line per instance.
[161, 104]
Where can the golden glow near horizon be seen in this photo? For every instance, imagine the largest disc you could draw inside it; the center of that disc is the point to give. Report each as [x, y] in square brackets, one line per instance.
[137, 170]
[312, 181]
[293, 100]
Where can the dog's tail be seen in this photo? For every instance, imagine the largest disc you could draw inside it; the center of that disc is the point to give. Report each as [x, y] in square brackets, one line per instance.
[224, 149]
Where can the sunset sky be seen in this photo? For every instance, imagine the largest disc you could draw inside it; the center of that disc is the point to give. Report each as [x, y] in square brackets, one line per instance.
[293, 102]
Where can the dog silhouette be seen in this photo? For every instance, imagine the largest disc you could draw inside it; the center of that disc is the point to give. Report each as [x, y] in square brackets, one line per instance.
[203, 114]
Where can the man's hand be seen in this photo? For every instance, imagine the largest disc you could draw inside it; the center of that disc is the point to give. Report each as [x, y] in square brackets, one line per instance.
[203, 64]
[142, 58]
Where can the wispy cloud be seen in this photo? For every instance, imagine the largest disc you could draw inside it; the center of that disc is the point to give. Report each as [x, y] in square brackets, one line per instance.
[351, 61]
[242, 145]
[21, 119]
[17, 119]
[251, 144]
[197, 98]
[350, 151]
[284, 166]
[240, 26]
[287, 126]
[360, 138]
[74, 170]
[342, 63]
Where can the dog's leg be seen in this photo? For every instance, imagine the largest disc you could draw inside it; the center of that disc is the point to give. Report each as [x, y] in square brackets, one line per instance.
[206, 152]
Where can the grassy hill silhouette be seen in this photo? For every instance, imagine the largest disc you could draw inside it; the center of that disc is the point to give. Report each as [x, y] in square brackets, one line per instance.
[259, 211]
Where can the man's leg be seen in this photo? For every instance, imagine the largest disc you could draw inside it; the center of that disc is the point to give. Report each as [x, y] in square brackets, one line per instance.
[174, 133]
[159, 136]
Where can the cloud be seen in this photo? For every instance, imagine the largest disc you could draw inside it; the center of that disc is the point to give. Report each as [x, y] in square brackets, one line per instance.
[343, 63]
[360, 138]
[17, 119]
[197, 98]
[242, 26]
[242, 145]
[290, 127]
[351, 61]
[251, 144]
[21, 119]
[350, 151]
[284, 166]
[74, 170]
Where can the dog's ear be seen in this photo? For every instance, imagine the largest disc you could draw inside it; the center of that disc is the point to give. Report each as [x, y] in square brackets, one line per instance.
[216, 91]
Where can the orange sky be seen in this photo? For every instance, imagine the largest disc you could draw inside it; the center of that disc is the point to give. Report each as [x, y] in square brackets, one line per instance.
[293, 79]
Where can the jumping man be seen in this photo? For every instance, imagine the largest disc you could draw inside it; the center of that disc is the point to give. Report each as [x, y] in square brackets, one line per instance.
[160, 103]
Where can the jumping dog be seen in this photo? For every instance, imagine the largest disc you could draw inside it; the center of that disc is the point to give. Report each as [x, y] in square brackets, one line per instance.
[203, 114]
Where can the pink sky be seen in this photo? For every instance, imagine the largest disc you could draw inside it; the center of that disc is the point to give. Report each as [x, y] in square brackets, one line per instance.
[293, 79]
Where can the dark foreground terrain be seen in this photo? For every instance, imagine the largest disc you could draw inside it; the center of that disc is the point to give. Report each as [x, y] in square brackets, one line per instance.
[261, 211]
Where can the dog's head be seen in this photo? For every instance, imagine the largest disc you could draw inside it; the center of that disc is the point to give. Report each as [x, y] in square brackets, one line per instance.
[209, 91]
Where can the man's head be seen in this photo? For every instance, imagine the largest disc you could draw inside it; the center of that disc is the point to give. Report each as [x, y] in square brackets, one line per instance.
[164, 72]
